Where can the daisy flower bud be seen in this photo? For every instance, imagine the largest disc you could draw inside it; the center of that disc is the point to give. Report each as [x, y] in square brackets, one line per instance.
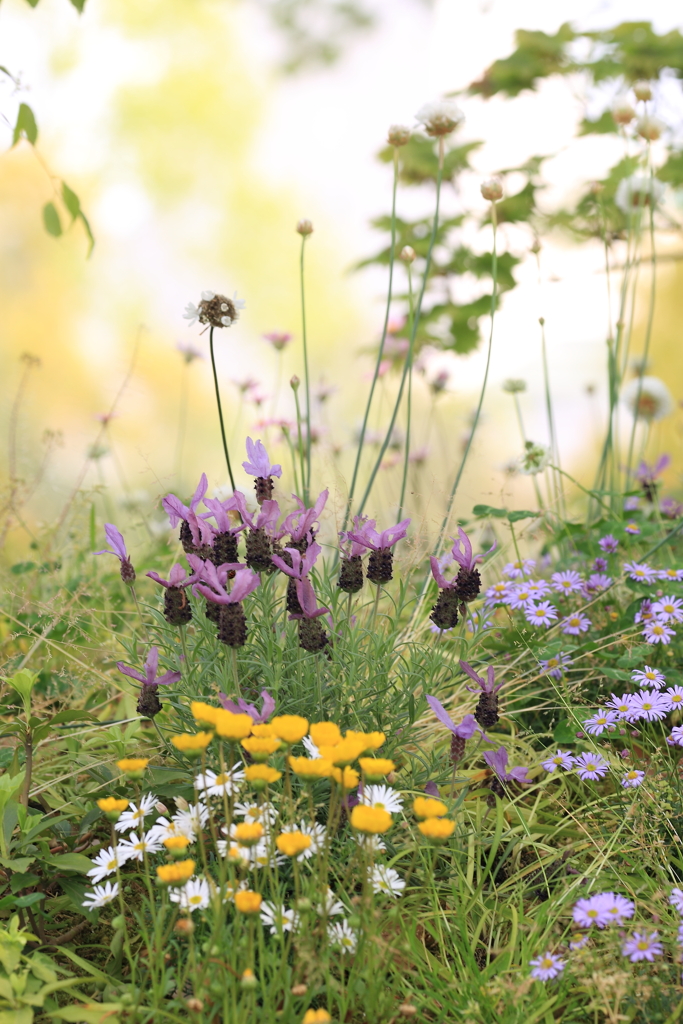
[194, 1004]
[304, 228]
[407, 254]
[299, 990]
[184, 926]
[376, 768]
[398, 135]
[492, 189]
[176, 846]
[294, 383]
[649, 128]
[248, 980]
[175, 874]
[371, 820]
[643, 91]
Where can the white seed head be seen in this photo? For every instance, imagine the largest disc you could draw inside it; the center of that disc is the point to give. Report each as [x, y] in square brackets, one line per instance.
[304, 227]
[638, 191]
[647, 398]
[398, 135]
[492, 189]
[622, 111]
[440, 117]
[407, 254]
[643, 91]
[649, 128]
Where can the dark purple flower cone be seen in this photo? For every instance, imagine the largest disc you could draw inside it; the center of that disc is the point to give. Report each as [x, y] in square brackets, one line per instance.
[212, 611]
[351, 574]
[149, 704]
[468, 584]
[497, 789]
[445, 612]
[380, 564]
[302, 545]
[486, 712]
[127, 571]
[263, 485]
[259, 551]
[457, 748]
[224, 550]
[293, 605]
[177, 608]
[186, 540]
[312, 635]
[232, 627]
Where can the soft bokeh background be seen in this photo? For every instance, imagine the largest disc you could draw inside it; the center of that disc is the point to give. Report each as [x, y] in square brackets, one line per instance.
[194, 158]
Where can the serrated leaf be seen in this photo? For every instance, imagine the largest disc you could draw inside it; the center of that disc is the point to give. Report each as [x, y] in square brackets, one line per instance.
[26, 126]
[53, 224]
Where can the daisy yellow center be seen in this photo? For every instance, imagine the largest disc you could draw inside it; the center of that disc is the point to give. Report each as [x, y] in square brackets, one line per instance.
[140, 846]
[591, 913]
[657, 629]
[138, 814]
[601, 721]
[195, 899]
[639, 572]
[643, 945]
[591, 767]
[647, 706]
[632, 775]
[557, 760]
[546, 962]
[566, 583]
[573, 622]
[221, 779]
[650, 675]
[676, 699]
[524, 595]
[112, 864]
[347, 942]
[668, 608]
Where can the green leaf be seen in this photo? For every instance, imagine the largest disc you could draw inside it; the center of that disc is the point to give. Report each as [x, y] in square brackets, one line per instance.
[25, 1014]
[21, 567]
[70, 862]
[71, 201]
[53, 224]
[537, 56]
[88, 230]
[514, 517]
[75, 888]
[565, 731]
[71, 716]
[79, 5]
[19, 864]
[89, 1013]
[33, 3]
[29, 899]
[26, 126]
[22, 880]
[488, 510]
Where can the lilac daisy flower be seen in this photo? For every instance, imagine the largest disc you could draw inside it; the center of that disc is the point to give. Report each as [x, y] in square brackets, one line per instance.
[546, 967]
[541, 614]
[632, 528]
[599, 722]
[648, 704]
[591, 910]
[538, 588]
[555, 665]
[640, 572]
[658, 632]
[562, 759]
[520, 597]
[513, 570]
[672, 575]
[600, 565]
[668, 609]
[609, 543]
[622, 705]
[648, 676]
[499, 592]
[642, 946]
[598, 581]
[617, 908]
[566, 582]
[645, 613]
[576, 944]
[591, 766]
[632, 779]
[575, 624]
[675, 697]
[632, 504]
[676, 737]
[676, 899]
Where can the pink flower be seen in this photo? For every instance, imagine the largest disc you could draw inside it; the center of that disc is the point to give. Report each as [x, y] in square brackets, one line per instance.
[151, 668]
[370, 538]
[278, 339]
[244, 583]
[259, 463]
[298, 524]
[243, 708]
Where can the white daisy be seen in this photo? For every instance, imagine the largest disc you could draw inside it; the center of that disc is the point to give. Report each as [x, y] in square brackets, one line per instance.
[100, 896]
[192, 820]
[383, 797]
[165, 829]
[342, 934]
[218, 785]
[311, 748]
[139, 846]
[107, 861]
[135, 815]
[194, 895]
[277, 918]
[386, 880]
[373, 844]
[332, 906]
[264, 814]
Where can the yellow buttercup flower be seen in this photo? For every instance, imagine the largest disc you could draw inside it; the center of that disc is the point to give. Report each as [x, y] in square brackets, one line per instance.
[261, 747]
[248, 902]
[292, 843]
[261, 775]
[370, 740]
[308, 768]
[133, 767]
[319, 1016]
[428, 807]
[233, 727]
[344, 752]
[204, 714]
[192, 745]
[263, 729]
[376, 768]
[248, 833]
[437, 829]
[325, 734]
[372, 820]
[176, 874]
[347, 778]
[290, 728]
[111, 807]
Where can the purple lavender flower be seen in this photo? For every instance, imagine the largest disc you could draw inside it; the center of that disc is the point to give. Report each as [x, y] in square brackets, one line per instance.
[567, 582]
[647, 476]
[194, 532]
[151, 669]
[461, 733]
[670, 508]
[668, 609]
[648, 704]
[312, 635]
[541, 614]
[562, 759]
[591, 766]
[177, 610]
[575, 624]
[241, 707]
[257, 463]
[658, 632]
[640, 572]
[555, 665]
[380, 563]
[608, 543]
[642, 946]
[213, 588]
[632, 779]
[298, 568]
[498, 761]
[600, 564]
[596, 725]
[115, 539]
[300, 524]
[546, 967]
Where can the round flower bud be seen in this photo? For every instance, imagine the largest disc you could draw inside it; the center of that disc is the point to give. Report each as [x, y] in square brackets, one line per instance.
[492, 189]
[299, 990]
[649, 128]
[194, 1004]
[440, 118]
[398, 135]
[304, 227]
[118, 922]
[622, 111]
[407, 254]
[643, 91]
[248, 980]
[513, 385]
[184, 926]
[294, 383]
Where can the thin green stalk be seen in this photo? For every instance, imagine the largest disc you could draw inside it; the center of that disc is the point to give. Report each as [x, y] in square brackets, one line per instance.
[302, 459]
[520, 421]
[413, 333]
[559, 490]
[307, 476]
[380, 354]
[220, 408]
[410, 396]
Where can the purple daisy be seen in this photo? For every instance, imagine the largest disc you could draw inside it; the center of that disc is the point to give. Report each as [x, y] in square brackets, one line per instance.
[676, 899]
[658, 632]
[575, 624]
[591, 766]
[648, 676]
[622, 705]
[562, 759]
[632, 529]
[600, 564]
[555, 665]
[541, 614]
[648, 704]
[609, 543]
[591, 910]
[617, 908]
[642, 946]
[520, 597]
[672, 575]
[674, 694]
[641, 572]
[513, 570]
[676, 737]
[566, 582]
[632, 779]
[498, 593]
[600, 721]
[598, 581]
[668, 609]
[645, 613]
[546, 967]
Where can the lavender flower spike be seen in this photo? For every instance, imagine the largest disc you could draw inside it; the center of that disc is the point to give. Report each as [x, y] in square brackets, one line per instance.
[312, 635]
[380, 563]
[232, 622]
[486, 712]
[461, 733]
[243, 708]
[351, 567]
[177, 610]
[498, 761]
[468, 580]
[115, 539]
[149, 704]
[258, 465]
[194, 532]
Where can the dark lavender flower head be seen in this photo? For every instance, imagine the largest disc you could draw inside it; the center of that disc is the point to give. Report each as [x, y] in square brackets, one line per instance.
[352, 548]
[177, 577]
[151, 668]
[258, 463]
[244, 583]
[498, 761]
[115, 539]
[431, 789]
[241, 707]
[486, 685]
[464, 731]
[308, 601]
[301, 564]
[368, 537]
[646, 474]
[609, 543]
[266, 518]
[298, 524]
[462, 551]
[177, 510]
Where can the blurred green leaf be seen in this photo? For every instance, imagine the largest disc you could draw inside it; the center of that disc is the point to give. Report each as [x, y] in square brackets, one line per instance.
[537, 56]
[53, 224]
[419, 161]
[79, 5]
[26, 126]
[604, 125]
[71, 201]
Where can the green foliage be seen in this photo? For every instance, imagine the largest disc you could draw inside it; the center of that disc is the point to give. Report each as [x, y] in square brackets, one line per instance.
[537, 56]
[25, 127]
[53, 224]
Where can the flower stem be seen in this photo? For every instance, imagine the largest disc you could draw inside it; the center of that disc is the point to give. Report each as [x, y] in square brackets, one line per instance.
[302, 459]
[307, 476]
[220, 409]
[410, 398]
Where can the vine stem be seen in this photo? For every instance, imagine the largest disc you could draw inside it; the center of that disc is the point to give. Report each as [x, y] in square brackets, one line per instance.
[220, 408]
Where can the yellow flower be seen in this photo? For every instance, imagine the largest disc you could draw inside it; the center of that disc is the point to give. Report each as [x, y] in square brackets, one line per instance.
[177, 845]
[233, 727]
[133, 767]
[290, 728]
[204, 714]
[437, 829]
[375, 768]
[370, 740]
[248, 902]
[317, 768]
[347, 778]
[344, 752]
[370, 819]
[248, 834]
[292, 843]
[263, 729]
[427, 807]
[316, 1017]
[326, 734]
[192, 745]
[111, 807]
[176, 874]
[260, 775]
[261, 747]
